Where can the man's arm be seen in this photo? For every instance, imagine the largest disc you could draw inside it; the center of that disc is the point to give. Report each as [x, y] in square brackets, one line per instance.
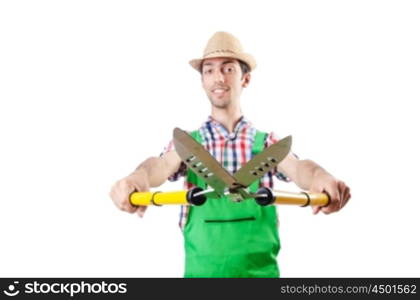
[311, 177]
[152, 172]
[158, 169]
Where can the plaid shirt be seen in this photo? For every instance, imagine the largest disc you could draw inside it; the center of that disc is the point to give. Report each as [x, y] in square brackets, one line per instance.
[231, 150]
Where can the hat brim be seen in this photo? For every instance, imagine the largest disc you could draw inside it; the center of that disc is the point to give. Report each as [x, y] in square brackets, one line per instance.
[246, 58]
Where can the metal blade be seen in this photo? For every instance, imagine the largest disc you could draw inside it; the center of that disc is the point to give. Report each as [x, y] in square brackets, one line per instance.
[200, 161]
[263, 162]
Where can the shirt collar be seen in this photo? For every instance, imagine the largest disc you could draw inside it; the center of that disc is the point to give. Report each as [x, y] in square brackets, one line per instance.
[221, 130]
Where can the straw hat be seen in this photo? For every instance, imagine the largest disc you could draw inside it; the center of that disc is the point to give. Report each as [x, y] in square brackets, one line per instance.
[224, 44]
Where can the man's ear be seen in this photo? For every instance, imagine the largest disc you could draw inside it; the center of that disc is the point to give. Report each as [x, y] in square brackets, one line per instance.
[246, 79]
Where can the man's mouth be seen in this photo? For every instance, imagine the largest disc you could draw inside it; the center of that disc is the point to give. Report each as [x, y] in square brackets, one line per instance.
[219, 90]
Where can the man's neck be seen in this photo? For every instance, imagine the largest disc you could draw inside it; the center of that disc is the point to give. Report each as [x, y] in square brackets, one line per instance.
[228, 117]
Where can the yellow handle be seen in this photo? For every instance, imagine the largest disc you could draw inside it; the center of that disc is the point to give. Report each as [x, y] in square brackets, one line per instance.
[158, 198]
[303, 198]
[181, 197]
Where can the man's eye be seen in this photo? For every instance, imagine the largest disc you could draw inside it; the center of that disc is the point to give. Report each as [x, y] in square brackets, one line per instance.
[207, 71]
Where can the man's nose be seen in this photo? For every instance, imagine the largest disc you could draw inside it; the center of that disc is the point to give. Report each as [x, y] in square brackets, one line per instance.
[219, 76]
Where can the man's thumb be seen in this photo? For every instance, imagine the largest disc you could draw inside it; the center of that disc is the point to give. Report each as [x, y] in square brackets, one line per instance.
[141, 210]
[316, 209]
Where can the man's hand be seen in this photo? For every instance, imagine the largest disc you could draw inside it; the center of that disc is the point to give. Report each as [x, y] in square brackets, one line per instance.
[338, 191]
[121, 190]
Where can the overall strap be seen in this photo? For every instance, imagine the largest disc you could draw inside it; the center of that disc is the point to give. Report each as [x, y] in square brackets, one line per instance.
[259, 142]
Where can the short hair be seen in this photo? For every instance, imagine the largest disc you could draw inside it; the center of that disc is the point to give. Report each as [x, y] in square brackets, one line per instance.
[244, 67]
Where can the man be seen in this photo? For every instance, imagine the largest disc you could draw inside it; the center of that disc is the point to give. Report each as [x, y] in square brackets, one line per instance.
[224, 238]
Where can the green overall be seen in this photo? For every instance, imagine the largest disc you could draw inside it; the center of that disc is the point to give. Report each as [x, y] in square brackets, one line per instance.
[231, 239]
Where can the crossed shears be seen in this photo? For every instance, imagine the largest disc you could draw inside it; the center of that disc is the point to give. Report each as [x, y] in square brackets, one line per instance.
[223, 184]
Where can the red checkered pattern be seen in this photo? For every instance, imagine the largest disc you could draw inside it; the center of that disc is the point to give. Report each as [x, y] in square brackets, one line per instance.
[231, 150]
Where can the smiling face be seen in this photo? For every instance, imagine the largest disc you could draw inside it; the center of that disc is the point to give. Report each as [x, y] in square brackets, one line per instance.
[223, 81]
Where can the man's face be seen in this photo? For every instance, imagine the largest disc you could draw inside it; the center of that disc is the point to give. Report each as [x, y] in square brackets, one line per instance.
[223, 81]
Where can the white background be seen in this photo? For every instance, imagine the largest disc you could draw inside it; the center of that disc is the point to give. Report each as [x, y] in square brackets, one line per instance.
[89, 89]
